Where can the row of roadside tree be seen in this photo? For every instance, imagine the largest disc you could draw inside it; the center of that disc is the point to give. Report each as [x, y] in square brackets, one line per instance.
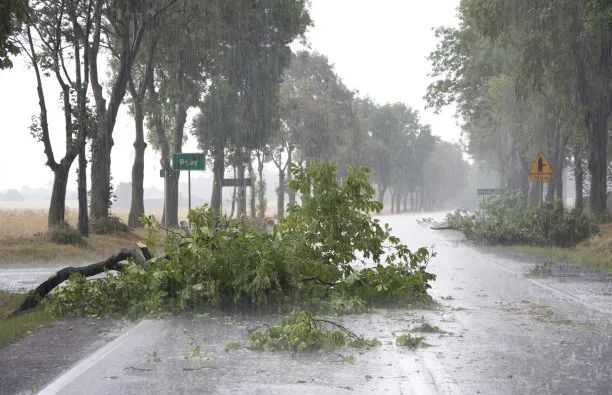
[257, 102]
[530, 76]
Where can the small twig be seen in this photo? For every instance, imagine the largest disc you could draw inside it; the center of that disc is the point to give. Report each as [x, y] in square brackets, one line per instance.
[198, 369]
[138, 369]
[341, 327]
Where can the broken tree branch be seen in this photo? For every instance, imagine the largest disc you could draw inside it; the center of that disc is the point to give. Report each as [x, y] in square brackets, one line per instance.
[140, 255]
[341, 327]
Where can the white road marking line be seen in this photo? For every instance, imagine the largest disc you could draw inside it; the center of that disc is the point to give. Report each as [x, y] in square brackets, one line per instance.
[431, 378]
[84, 365]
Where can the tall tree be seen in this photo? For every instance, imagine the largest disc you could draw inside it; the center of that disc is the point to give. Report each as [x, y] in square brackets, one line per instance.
[55, 38]
[561, 52]
[140, 79]
[121, 26]
[248, 72]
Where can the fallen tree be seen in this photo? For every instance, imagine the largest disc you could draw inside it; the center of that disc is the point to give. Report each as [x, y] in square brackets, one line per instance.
[114, 263]
[307, 260]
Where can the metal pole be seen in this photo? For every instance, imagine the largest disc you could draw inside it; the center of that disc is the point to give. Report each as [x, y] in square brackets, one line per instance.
[189, 188]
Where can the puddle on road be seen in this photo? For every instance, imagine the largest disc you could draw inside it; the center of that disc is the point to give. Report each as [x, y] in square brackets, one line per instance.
[24, 279]
[20, 280]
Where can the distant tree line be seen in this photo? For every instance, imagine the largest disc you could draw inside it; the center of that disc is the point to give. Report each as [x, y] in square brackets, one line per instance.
[231, 60]
[317, 118]
[529, 76]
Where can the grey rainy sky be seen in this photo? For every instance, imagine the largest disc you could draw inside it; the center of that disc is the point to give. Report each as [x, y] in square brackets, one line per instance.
[378, 47]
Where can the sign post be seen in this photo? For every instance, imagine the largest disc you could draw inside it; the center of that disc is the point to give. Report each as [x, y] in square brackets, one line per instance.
[189, 162]
[541, 172]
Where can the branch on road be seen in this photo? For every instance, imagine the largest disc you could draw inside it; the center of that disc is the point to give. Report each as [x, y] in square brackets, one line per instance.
[139, 255]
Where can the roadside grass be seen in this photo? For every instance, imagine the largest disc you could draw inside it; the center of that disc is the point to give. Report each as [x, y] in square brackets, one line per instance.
[23, 240]
[14, 328]
[595, 253]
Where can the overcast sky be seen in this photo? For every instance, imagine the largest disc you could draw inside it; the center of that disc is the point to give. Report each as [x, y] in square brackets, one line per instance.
[378, 47]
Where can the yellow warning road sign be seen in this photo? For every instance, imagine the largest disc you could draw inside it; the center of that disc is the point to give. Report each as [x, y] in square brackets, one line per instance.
[541, 169]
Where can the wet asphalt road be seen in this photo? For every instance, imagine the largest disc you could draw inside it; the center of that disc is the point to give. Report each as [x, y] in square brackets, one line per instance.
[508, 333]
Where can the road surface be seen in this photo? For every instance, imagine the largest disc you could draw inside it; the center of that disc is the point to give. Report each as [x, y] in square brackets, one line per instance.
[507, 333]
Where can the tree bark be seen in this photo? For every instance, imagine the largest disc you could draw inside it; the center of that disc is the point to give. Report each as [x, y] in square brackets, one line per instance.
[82, 192]
[137, 210]
[242, 195]
[261, 186]
[57, 207]
[291, 191]
[598, 161]
[216, 199]
[172, 195]
[578, 177]
[180, 118]
[233, 211]
[100, 176]
[253, 200]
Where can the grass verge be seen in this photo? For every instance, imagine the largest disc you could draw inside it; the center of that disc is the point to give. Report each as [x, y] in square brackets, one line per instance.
[23, 240]
[39, 250]
[595, 253]
[15, 328]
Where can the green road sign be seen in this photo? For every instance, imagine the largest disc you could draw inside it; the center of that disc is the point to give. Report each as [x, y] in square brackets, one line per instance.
[189, 162]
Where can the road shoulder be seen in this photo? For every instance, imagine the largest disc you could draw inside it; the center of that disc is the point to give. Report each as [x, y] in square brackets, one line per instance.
[30, 363]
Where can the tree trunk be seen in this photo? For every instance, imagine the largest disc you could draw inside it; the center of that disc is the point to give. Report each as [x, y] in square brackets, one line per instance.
[172, 196]
[216, 199]
[261, 187]
[107, 110]
[100, 176]
[234, 197]
[559, 181]
[82, 192]
[253, 200]
[552, 189]
[291, 191]
[578, 177]
[233, 210]
[137, 203]
[598, 163]
[381, 193]
[57, 207]
[242, 191]
[280, 203]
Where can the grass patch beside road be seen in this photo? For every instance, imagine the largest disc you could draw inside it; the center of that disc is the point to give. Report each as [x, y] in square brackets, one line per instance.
[595, 253]
[23, 240]
[15, 328]
[39, 250]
